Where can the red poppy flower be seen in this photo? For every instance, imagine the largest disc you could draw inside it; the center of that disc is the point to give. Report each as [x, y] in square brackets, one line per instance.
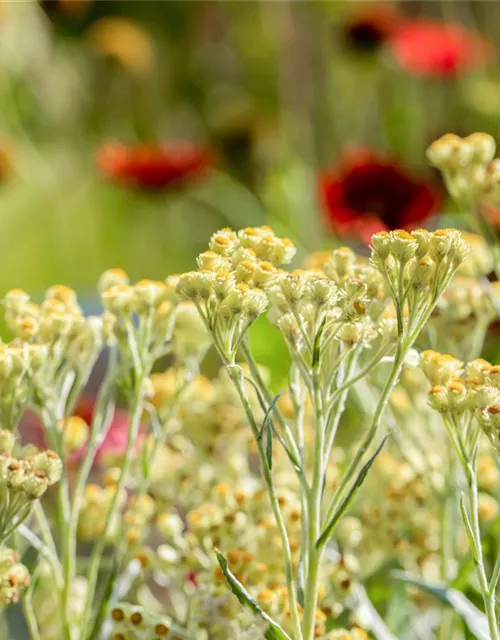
[437, 49]
[366, 194]
[370, 27]
[153, 167]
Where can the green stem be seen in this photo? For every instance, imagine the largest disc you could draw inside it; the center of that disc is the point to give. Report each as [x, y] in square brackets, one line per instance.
[236, 377]
[368, 439]
[48, 540]
[100, 424]
[62, 517]
[486, 591]
[29, 613]
[448, 527]
[133, 432]
[314, 511]
[261, 385]
[495, 576]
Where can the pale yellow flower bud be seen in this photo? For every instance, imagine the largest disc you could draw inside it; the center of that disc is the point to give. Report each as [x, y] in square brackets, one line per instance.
[112, 278]
[483, 145]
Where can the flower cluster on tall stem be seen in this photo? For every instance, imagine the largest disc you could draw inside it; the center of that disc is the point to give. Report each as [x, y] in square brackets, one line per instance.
[333, 323]
[468, 399]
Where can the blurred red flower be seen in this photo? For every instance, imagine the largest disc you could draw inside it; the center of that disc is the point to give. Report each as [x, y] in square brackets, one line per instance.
[153, 167]
[367, 193]
[438, 49]
[115, 442]
[113, 445]
[370, 26]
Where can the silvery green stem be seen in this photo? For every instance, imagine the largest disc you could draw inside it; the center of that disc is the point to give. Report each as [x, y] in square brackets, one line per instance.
[133, 432]
[29, 613]
[448, 528]
[314, 511]
[495, 576]
[100, 424]
[287, 433]
[236, 377]
[63, 516]
[471, 521]
[369, 437]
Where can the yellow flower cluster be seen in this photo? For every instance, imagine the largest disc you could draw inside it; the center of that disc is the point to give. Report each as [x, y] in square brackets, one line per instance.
[417, 264]
[14, 577]
[465, 389]
[128, 621]
[463, 315]
[24, 477]
[47, 336]
[468, 165]
[228, 288]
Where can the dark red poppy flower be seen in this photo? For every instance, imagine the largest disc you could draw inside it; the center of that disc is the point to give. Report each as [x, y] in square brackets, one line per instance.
[437, 49]
[370, 26]
[367, 193]
[153, 167]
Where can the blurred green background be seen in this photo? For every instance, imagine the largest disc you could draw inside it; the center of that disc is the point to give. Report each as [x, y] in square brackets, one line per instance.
[276, 91]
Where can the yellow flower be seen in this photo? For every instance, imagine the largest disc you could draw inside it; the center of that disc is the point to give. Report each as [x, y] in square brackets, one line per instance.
[124, 40]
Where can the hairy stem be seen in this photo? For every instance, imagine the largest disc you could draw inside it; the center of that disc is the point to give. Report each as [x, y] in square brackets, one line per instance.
[314, 511]
[237, 379]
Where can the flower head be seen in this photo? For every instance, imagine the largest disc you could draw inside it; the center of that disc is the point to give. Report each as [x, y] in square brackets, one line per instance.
[123, 40]
[369, 27]
[153, 167]
[367, 193]
[435, 49]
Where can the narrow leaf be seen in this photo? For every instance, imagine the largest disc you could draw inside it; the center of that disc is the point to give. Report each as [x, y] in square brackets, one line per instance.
[330, 527]
[268, 411]
[475, 620]
[468, 526]
[267, 421]
[274, 631]
[269, 444]
[300, 580]
[268, 425]
[290, 455]
[317, 344]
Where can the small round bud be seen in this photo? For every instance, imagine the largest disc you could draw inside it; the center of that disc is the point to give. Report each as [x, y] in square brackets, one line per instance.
[112, 278]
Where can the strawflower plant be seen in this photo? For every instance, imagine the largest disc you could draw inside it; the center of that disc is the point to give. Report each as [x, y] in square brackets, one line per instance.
[467, 397]
[336, 332]
[222, 487]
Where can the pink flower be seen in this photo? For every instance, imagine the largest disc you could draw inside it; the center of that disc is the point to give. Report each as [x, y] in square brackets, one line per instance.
[114, 443]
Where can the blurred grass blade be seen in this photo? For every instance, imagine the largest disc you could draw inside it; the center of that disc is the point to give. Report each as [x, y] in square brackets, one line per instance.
[274, 631]
[475, 620]
[367, 611]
